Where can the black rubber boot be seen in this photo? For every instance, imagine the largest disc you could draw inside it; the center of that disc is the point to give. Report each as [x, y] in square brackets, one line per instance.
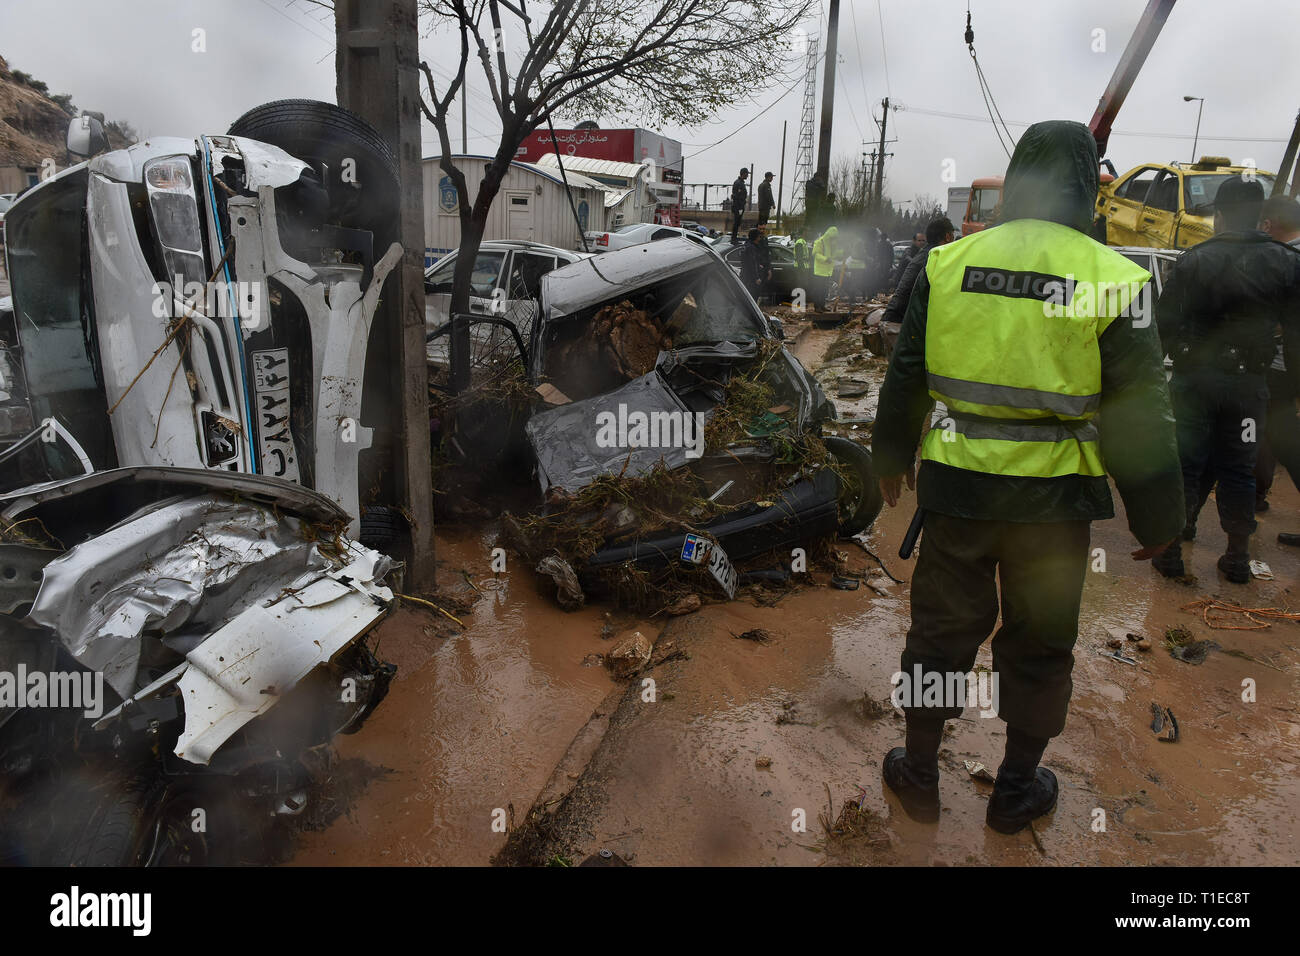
[1288, 537]
[1189, 532]
[1169, 562]
[1024, 791]
[1235, 563]
[912, 772]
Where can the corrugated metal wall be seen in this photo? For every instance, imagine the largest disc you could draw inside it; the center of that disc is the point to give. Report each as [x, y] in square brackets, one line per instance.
[546, 216]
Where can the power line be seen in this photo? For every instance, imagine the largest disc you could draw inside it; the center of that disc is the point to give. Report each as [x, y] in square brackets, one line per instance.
[972, 117]
[788, 90]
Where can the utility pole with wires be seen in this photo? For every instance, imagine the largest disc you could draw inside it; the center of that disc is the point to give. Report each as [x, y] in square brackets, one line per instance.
[878, 155]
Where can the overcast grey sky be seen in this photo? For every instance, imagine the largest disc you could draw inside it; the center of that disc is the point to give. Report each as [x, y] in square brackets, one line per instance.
[132, 59]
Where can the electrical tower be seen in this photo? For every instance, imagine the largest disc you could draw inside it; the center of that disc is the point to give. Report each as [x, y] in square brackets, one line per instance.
[804, 157]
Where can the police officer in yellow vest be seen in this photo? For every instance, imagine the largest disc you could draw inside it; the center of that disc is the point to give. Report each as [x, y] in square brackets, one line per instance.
[826, 252]
[1038, 342]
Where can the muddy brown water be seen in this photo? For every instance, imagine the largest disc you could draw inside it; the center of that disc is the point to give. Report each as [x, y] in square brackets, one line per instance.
[477, 722]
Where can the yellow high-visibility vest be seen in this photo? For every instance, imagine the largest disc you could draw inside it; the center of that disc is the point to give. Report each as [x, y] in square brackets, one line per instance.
[824, 252]
[1011, 347]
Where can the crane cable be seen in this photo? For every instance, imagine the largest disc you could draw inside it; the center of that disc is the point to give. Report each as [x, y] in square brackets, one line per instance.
[986, 92]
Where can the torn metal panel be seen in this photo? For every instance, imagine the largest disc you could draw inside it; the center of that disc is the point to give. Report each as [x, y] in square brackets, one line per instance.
[237, 673]
[174, 573]
[572, 449]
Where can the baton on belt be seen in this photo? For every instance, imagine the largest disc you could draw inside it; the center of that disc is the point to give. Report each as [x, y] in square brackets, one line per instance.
[913, 532]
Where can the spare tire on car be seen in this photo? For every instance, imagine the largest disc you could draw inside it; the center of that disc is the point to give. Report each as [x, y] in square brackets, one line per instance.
[358, 168]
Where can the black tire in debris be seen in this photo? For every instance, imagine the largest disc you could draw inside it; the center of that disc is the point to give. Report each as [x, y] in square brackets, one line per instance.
[860, 499]
[108, 824]
[322, 133]
[383, 528]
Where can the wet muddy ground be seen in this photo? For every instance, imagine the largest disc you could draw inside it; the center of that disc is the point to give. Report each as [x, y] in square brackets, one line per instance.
[744, 741]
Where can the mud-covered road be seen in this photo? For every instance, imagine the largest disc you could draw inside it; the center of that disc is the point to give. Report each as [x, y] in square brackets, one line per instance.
[744, 740]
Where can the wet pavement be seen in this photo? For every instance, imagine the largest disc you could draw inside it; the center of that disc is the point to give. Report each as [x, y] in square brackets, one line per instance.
[744, 741]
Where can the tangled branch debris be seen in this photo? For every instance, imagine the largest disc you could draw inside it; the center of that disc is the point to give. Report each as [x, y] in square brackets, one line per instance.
[1214, 612]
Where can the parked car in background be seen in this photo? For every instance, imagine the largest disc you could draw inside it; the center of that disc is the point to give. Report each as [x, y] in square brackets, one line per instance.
[785, 275]
[635, 233]
[506, 271]
[6, 200]
[505, 284]
[1166, 205]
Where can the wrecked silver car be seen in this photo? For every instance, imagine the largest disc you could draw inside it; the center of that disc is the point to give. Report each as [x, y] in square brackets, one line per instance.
[210, 303]
[653, 369]
[173, 641]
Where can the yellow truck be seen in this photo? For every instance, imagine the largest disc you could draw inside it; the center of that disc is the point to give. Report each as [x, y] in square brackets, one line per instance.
[1166, 205]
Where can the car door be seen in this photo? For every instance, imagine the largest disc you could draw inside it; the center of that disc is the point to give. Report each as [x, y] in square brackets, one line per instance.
[1160, 211]
[485, 281]
[784, 276]
[523, 285]
[1124, 210]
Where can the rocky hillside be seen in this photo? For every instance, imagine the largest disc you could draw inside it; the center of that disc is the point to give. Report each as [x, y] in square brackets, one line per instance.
[33, 123]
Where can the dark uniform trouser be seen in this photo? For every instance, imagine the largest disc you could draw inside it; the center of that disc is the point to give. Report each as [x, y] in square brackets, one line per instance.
[737, 215]
[955, 605]
[1282, 444]
[1211, 408]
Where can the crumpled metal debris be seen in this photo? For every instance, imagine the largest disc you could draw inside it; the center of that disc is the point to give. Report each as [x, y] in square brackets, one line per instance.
[177, 573]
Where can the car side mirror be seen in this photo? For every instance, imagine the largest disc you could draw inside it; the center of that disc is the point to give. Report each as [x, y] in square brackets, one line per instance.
[86, 136]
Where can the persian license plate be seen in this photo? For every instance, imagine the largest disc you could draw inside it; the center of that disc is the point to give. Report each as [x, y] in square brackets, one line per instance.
[271, 406]
[700, 550]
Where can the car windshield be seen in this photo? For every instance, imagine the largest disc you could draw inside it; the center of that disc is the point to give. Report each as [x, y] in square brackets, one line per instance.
[1199, 189]
[5, 203]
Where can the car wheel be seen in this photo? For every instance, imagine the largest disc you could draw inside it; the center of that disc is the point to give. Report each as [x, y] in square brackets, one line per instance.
[111, 824]
[382, 528]
[860, 498]
[360, 167]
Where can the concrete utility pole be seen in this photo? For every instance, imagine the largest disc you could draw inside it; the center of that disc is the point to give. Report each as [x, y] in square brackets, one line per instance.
[880, 166]
[1283, 171]
[377, 77]
[828, 94]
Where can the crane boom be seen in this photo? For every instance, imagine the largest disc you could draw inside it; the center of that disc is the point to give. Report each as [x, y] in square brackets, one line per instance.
[1126, 71]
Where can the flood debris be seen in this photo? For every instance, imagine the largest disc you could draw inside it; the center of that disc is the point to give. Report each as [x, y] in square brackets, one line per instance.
[856, 835]
[979, 772]
[757, 634]
[568, 593]
[629, 656]
[1217, 614]
[687, 604]
[1163, 723]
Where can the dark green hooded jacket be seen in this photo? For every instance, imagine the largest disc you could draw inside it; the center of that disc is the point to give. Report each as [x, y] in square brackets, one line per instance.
[1053, 175]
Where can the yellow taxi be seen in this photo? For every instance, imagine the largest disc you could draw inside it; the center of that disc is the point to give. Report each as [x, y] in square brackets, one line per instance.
[1166, 205]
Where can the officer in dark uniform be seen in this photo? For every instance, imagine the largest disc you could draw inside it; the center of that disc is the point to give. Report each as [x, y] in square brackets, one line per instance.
[1216, 317]
[1040, 406]
[739, 200]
